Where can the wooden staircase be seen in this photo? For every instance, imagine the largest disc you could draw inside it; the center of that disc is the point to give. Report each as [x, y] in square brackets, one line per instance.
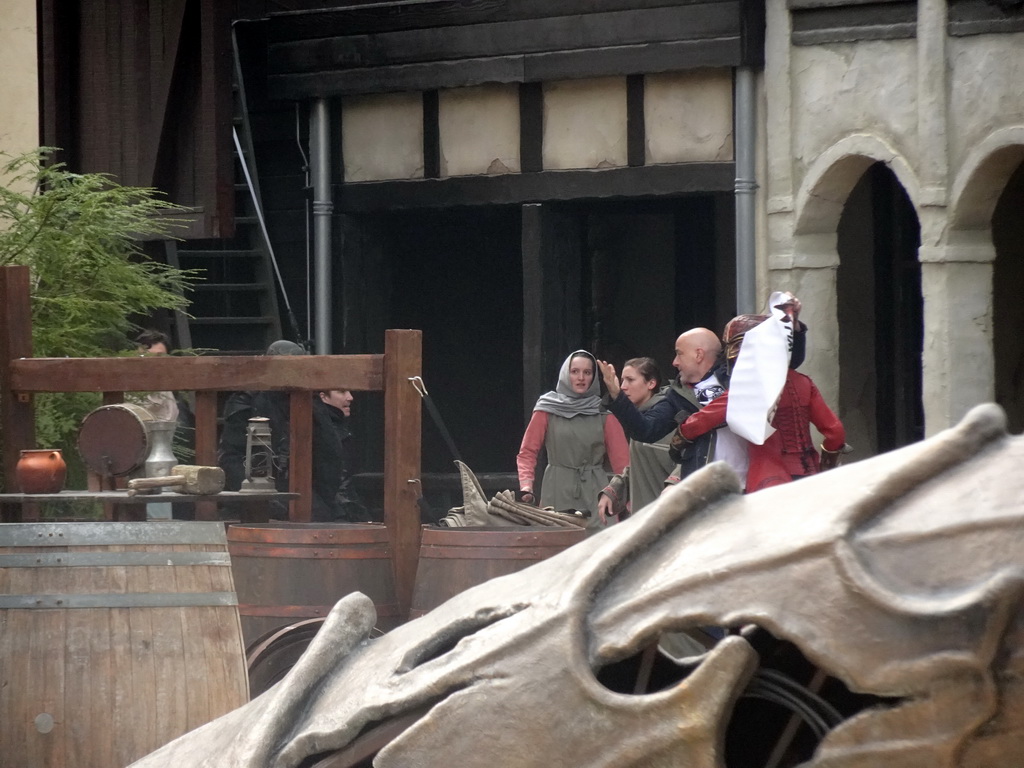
[234, 305]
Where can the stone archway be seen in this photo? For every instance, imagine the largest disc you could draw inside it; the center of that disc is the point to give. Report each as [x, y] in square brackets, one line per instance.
[879, 311]
[1007, 307]
[850, 331]
[987, 231]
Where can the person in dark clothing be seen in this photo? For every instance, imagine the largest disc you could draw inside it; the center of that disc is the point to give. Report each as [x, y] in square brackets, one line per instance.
[334, 498]
[242, 406]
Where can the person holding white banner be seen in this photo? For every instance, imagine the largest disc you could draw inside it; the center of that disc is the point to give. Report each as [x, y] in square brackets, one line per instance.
[785, 451]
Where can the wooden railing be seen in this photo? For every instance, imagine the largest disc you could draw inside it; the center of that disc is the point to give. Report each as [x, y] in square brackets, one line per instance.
[22, 376]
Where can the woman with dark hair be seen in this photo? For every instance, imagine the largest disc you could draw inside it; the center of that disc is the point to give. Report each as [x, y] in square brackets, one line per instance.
[649, 463]
[581, 440]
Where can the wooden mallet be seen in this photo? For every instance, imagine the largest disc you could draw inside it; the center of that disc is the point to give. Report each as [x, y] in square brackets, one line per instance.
[184, 478]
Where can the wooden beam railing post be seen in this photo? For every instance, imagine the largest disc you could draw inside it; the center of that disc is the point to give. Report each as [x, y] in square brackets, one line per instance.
[206, 445]
[300, 458]
[403, 357]
[18, 419]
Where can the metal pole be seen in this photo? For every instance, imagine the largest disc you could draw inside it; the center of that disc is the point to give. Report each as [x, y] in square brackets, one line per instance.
[745, 190]
[323, 208]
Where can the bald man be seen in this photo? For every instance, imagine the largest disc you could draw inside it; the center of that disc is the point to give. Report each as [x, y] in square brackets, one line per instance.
[700, 381]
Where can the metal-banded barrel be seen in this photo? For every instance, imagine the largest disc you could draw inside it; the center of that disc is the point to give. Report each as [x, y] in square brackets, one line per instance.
[454, 559]
[115, 638]
[286, 572]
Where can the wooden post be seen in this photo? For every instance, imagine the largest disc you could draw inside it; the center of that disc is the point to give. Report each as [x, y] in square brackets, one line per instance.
[403, 358]
[300, 459]
[206, 445]
[17, 417]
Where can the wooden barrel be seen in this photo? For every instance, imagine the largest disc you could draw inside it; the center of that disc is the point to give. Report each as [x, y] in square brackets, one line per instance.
[285, 572]
[455, 559]
[115, 638]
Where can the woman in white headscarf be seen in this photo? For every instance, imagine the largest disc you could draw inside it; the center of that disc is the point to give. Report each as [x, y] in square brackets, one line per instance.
[583, 441]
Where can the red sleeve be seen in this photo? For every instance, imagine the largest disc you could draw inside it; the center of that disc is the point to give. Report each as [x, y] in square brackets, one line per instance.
[826, 421]
[710, 417]
[615, 444]
[533, 439]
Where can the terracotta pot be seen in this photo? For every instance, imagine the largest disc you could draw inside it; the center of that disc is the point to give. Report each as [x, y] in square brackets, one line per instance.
[41, 470]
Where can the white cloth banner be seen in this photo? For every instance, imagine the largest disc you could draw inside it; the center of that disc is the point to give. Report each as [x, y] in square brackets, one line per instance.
[759, 374]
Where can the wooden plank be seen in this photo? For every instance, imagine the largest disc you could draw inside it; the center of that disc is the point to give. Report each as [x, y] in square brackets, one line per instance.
[215, 147]
[636, 140]
[300, 459]
[16, 414]
[55, 36]
[166, 27]
[561, 33]
[206, 445]
[431, 135]
[403, 354]
[514, 189]
[392, 16]
[643, 58]
[207, 373]
[531, 127]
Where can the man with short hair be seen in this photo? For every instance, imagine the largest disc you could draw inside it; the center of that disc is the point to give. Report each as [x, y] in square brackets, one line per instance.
[334, 498]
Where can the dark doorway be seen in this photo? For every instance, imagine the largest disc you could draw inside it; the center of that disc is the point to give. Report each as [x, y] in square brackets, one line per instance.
[879, 308]
[655, 269]
[1008, 309]
[456, 275]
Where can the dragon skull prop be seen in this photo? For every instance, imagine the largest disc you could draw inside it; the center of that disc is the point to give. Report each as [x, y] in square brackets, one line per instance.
[898, 577]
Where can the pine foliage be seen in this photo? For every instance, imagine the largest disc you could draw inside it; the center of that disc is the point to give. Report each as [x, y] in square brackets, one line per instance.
[79, 235]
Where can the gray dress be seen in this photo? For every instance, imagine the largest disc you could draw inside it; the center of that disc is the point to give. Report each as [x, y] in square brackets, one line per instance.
[649, 465]
[576, 464]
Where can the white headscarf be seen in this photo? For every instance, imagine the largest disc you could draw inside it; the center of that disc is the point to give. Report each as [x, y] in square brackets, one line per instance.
[566, 402]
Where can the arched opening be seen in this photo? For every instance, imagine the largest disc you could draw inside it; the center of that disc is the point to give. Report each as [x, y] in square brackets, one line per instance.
[1007, 307]
[879, 312]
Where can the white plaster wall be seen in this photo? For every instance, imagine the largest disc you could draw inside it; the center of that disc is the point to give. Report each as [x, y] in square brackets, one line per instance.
[479, 130]
[19, 94]
[382, 136]
[585, 124]
[688, 117]
[986, 90]
[841, 89]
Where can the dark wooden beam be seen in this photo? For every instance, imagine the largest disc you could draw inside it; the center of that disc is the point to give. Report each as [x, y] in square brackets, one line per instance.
[517, 188]
[214, 145]
[16, 413]
[636, 139]
[431, 136]
[560, 65]
[698, 21]
[396, 16]
[531, 127]
[403, 353]
[144, 374]
[58, 50]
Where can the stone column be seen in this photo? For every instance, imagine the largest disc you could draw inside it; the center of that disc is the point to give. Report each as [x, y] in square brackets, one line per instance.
[957, 359]
[810, 273]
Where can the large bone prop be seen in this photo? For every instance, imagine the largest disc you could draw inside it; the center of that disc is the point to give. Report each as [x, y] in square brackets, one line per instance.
[901, 575]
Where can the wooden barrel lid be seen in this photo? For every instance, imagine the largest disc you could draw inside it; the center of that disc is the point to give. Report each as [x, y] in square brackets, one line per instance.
[113, 439]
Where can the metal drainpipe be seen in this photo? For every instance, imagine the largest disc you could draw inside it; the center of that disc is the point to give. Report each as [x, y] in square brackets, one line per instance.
[323, 208]
[745, 191]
